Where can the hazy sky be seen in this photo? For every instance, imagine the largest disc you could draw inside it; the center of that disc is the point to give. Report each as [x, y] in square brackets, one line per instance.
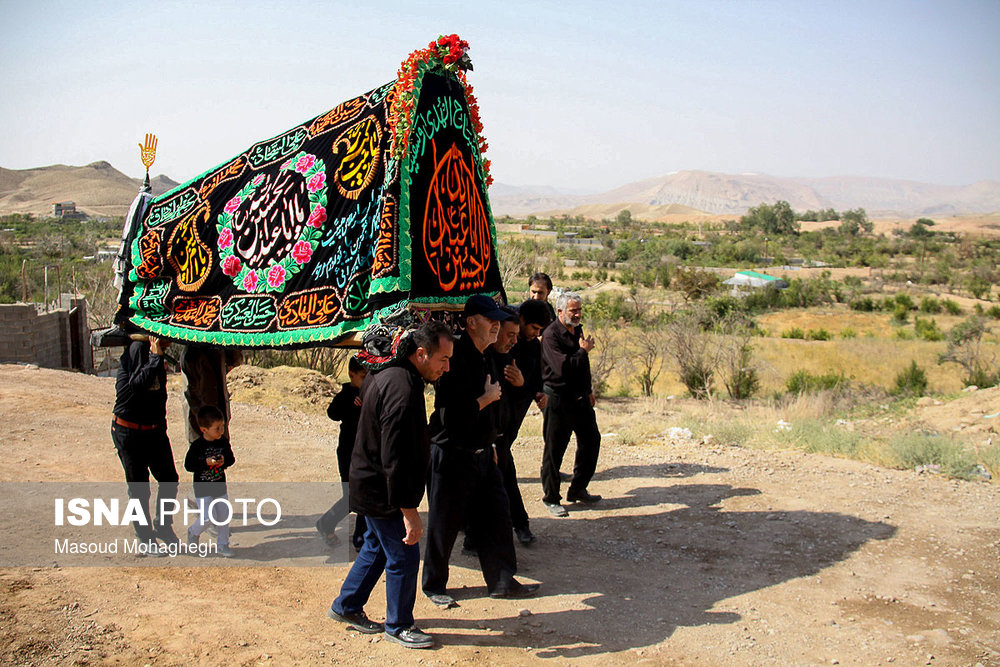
[581, 94]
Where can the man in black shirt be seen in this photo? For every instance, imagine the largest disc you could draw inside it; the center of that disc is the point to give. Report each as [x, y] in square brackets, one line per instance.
[519, 362]
[465, 486]
[570, 405]
[139, 431]
[388, 470]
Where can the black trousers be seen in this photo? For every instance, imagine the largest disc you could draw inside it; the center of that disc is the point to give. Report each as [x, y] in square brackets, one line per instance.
[562, 418]
[143, 453]
[505, 461]
[338, 512]
[466, 489]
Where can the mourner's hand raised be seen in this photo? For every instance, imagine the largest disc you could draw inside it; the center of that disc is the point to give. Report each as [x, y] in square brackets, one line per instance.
[513, 374]
[158, 345]
[587, 343]
[413, 525]
[491, 392]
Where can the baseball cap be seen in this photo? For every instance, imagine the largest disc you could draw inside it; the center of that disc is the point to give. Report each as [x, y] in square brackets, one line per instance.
[480, 304]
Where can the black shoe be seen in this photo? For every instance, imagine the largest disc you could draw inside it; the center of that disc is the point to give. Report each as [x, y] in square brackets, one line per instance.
[330, 538]
[442, 600]
[582, 496]
[524, 535]
[518, 592]
[411, 638]
[357, 620]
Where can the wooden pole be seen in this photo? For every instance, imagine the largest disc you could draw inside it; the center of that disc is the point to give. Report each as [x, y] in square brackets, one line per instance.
[24, 281]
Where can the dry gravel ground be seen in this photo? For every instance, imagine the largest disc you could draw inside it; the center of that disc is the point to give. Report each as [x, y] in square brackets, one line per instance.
[698, 555]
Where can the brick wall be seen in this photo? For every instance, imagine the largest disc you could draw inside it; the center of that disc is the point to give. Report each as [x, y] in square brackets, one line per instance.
[55, 339]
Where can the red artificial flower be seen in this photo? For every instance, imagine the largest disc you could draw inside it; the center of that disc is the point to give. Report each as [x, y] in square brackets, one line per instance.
[302, 252]
[305, 163]
[231, 265]
[250, 281]
[317, 217]
[316, 182]
[233, 204]
[276, 275]
[225, 237]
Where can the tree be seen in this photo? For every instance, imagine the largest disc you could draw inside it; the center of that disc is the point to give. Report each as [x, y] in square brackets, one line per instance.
[778, 218]
[855, 221]
[694, 351]
[647, 355]
[965, 348]
[624, 219]
[694, 283]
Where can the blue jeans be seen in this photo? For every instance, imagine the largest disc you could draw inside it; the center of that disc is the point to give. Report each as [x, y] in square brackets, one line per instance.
[383, 551]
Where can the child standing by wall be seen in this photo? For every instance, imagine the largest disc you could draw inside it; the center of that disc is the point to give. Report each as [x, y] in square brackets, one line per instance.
[208, 457]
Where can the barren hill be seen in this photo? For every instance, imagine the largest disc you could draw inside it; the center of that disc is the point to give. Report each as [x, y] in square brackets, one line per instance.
[733, 194]
[97, 188]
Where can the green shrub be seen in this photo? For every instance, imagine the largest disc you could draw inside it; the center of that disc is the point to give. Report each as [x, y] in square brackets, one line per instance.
[818, 334]
[794, 332]
[902, 334]
[929, 304]
[927, 329]
[888, 304]
[911, 450]
[952, 307]
[906, 301]
[911, 381]
[848, 332]
[900, 313]
[804, 382]
[994, 312]
[863, 304]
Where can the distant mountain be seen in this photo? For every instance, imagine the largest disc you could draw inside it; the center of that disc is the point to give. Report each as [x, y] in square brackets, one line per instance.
[733, 194]
[101, 190]
[97, 188]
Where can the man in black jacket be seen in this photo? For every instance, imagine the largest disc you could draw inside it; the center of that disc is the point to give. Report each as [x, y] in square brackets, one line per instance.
[519, 362]
[388, 470]
[465, 487]
[139, 431]
[570, 405]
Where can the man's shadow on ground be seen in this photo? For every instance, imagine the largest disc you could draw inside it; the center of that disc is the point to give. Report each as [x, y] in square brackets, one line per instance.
[666, 570]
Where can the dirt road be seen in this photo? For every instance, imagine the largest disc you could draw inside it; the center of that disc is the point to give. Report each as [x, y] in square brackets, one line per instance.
[698, 554]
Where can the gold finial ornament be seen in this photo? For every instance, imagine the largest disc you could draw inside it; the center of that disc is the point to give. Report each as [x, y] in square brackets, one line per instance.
[148, 151]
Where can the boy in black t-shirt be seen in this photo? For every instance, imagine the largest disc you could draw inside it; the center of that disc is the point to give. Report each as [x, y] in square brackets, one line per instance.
[208, 457]
[345, 408]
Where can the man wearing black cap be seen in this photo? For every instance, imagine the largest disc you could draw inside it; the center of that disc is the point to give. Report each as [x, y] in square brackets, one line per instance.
[465, 487]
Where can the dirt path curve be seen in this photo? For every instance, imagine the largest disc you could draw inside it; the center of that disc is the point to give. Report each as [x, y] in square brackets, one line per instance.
[697, 555]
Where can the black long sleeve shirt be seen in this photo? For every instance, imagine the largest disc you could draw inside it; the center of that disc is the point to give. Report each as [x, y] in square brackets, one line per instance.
[141, 386]
[457, 422]
[565, 365]
[209, 481]
[392, 450]
[343, 409]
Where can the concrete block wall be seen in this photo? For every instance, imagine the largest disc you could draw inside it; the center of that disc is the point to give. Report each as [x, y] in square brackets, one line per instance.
[48, 339]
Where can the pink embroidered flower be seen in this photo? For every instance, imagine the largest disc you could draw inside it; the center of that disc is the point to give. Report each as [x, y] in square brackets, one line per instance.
[250, 281]
[317, 217]
[225, 237]
[286, 164]
[258, 179]
[316, 182]
[231, 265]
[233, 204]
[276, 275]
[305, 163]
[302, 251]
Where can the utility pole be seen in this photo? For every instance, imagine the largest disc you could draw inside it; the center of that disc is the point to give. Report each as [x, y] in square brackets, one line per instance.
[24, 281]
